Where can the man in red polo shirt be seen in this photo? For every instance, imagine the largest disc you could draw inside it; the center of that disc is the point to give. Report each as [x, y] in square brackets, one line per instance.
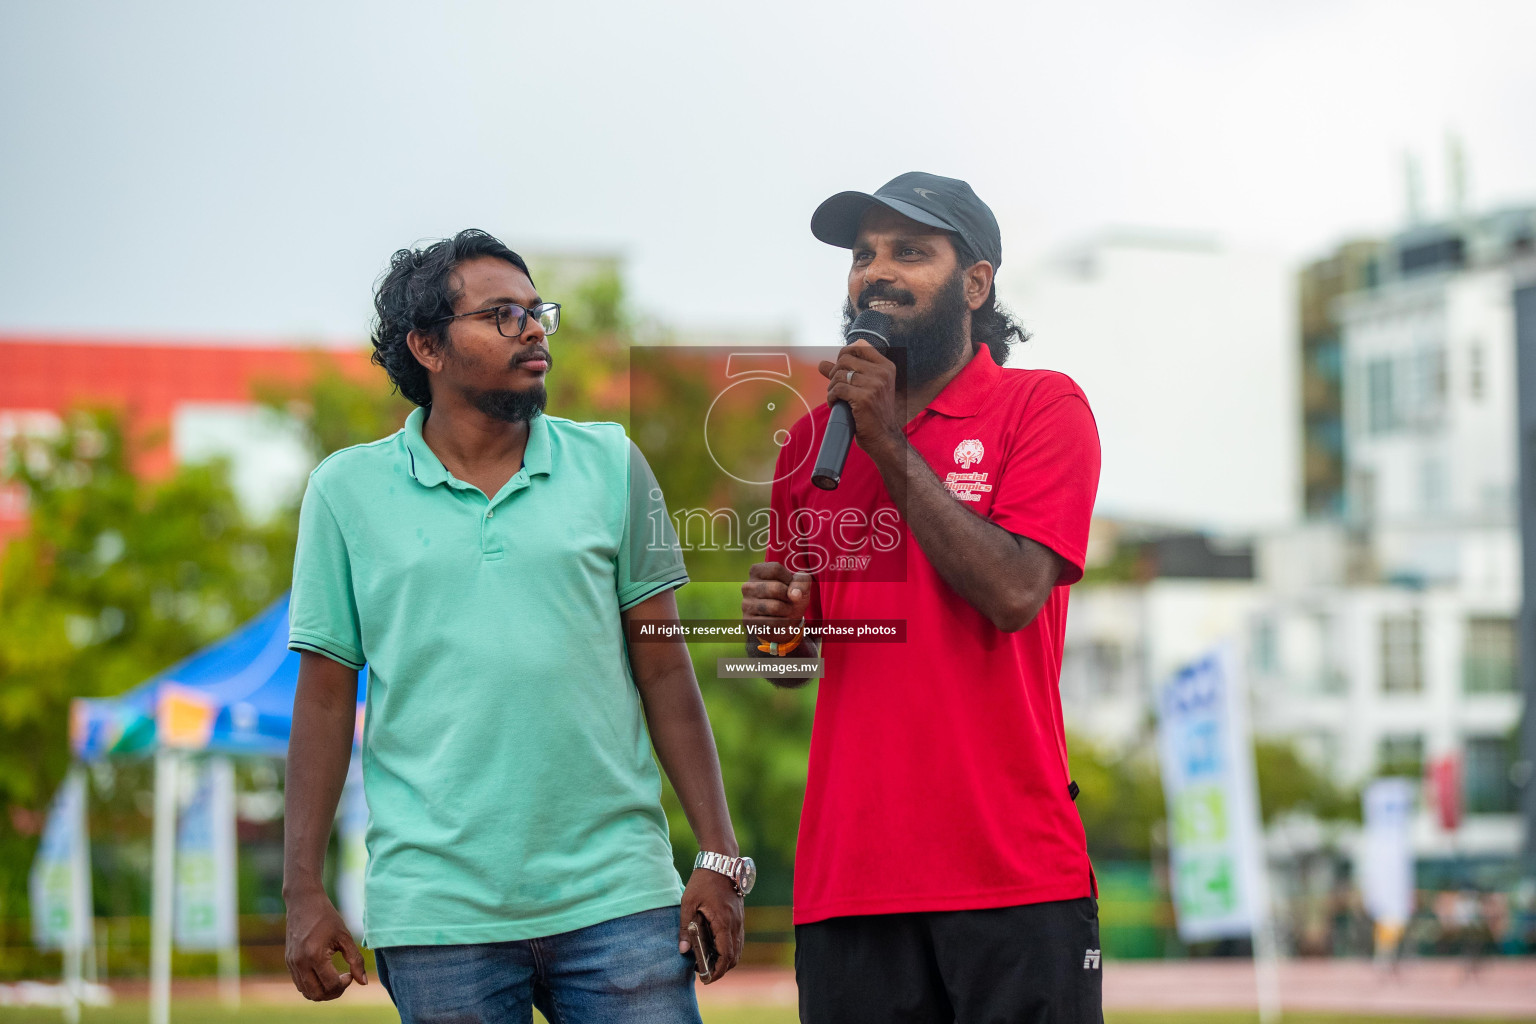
[942, 872]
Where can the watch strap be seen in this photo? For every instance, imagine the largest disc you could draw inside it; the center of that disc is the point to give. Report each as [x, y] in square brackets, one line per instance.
[730, 867]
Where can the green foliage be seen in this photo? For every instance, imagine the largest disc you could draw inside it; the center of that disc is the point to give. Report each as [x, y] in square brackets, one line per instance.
[763, 734]
[1120, 799]
[335, 410]
[1288, 785]
[590, 353]
[117, 578]
[1128, 564]
[1122, 807]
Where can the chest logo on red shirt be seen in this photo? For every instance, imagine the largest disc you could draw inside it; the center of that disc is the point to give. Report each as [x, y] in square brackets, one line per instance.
[968, 486]
[968, 452]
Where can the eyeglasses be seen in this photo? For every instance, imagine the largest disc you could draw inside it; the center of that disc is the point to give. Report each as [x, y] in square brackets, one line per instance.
[546, 313]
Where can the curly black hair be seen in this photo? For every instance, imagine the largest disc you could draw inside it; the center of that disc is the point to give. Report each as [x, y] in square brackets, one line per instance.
[414, 294]
[992, 323]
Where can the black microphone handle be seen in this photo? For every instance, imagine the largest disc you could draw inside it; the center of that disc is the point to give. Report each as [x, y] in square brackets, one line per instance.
[834, 447]
[872, 326]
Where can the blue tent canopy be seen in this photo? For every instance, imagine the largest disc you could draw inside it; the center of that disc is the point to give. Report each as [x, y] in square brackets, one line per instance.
[234, 696]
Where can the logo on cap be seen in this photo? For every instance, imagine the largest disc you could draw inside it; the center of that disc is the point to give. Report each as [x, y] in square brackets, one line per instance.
[926, 193]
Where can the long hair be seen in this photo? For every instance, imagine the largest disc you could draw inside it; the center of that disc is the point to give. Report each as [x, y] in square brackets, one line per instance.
[992, 324]
[414, 294]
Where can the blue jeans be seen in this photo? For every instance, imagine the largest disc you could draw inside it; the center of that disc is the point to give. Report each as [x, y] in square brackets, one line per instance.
[624, 971]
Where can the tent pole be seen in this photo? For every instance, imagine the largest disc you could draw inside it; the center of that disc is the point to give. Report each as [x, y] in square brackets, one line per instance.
[225, 847]
[79, 901]
[71, 994]
[86, 915]
[163, 885]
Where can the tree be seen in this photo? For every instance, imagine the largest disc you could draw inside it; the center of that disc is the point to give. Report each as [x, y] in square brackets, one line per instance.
[1120, 799]
[116, 578]
[1289, 785]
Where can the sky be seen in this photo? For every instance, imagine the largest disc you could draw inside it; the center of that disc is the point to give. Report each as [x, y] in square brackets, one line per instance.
[226, 170]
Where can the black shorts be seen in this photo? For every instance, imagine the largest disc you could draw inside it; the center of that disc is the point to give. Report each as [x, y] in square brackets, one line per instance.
[1010, 965]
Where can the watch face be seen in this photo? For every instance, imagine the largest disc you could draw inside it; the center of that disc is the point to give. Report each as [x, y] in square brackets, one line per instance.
[749, 875]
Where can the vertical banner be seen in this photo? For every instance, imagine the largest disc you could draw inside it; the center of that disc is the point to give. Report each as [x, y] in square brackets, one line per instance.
[59, 885]
[205, 861]
[1215, 850]
[1386, 862]
[352, 828]
[1445, 775]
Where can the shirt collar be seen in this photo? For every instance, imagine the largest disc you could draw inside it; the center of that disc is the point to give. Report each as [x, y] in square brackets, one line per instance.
[429, 470]
[964, 395]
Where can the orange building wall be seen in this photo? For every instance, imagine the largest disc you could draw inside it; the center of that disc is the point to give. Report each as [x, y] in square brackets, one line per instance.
[147, 380]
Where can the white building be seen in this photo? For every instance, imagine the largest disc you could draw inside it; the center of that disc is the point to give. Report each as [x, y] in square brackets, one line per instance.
[1386, 642]
[1429, 407]
[1365, 681]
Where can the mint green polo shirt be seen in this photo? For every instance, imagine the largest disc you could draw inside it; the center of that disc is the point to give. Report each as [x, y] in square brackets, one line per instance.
[508, 771]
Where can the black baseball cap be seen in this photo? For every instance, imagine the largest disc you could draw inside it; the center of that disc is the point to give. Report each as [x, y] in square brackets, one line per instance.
[931, 199]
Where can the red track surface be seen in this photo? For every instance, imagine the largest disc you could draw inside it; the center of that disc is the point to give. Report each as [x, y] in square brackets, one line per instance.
[1421, 988]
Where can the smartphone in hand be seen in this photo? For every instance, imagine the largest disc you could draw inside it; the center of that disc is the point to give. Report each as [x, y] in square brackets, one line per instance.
[701, 939]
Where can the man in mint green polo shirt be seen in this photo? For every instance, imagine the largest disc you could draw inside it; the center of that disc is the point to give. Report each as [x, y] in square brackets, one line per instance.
[484, 562]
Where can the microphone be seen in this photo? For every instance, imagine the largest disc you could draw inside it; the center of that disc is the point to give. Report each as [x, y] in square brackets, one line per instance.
[873, 326]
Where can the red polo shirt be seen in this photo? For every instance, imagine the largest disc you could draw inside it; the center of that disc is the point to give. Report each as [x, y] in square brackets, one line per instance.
[938, 767]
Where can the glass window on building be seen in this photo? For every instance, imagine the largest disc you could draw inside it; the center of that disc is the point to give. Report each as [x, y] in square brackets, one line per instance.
[1328, 358]
[1402, 669]
[1488, 786]
[1401, 754]
[1362, 496]
[1331, 667]
[1106, 662]
[1437, 378]
[1381, 415]
[1432, 486]
[1488, 655]
[1427, 382]
[1305, 653]
[1266, 645]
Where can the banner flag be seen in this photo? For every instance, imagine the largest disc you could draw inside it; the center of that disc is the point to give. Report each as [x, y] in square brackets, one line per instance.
[205, 861]
[59, 885]
[1214, 840]
[1386, 866]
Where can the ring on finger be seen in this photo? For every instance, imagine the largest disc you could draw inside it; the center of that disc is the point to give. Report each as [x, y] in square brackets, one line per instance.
[850, 376]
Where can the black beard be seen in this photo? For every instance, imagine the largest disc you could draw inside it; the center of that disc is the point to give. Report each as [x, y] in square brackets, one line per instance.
[929, 344]
[511, 406]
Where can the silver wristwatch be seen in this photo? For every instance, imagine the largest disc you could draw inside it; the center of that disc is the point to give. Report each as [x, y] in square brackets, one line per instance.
[740, 870]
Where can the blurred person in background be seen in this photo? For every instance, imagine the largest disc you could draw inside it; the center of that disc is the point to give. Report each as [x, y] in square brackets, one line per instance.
[1471, 934]
[942, 872]
[1522, 922]
[1496, 917]
[484, 562]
